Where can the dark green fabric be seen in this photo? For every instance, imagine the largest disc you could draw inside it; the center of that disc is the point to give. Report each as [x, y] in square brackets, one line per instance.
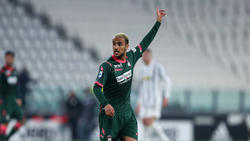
[118, 126]
[115, 77]
[99, 95]
[10, 111]
[114, 92]
[144, 43]
[8, 89]
[8, 94]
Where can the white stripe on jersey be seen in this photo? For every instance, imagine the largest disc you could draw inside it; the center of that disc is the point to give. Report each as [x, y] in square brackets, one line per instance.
[154, 85]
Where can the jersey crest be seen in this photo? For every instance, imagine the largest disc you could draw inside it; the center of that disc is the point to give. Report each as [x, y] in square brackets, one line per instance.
[100, 74]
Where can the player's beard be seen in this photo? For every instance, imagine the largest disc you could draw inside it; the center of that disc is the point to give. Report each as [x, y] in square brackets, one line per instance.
[9, 64]
[120, 57]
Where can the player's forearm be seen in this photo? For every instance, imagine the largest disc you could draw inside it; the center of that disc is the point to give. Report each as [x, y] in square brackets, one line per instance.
[1, 94]
[150, 36]
[99, 95]
[167, 90]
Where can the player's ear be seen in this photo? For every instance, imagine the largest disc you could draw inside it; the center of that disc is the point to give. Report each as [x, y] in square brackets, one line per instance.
[127, 46]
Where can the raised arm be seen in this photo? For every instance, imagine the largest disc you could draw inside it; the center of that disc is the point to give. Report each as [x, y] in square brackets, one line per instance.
[144, 44]
[1, 80]
[160, 14]
[150, 36]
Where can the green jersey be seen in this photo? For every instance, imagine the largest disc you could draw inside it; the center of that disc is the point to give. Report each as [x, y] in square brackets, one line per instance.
[8, 84]
[9, 108]
[115, 76]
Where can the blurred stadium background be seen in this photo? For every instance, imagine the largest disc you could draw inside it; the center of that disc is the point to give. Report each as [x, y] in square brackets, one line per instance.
[203, 44]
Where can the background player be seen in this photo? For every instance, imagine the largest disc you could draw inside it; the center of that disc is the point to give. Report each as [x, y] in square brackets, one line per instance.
[154, 92]
[9, 103]
[116, 118]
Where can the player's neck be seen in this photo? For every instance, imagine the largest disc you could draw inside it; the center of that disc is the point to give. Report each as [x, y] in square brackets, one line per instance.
[121, 59]
[148, 62]
[8, 65]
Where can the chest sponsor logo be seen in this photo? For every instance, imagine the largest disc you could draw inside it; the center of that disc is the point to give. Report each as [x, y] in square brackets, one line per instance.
[125, 77]
[12, 80]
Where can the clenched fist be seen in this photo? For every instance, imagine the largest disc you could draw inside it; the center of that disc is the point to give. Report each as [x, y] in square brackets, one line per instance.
[109, 110]
[160, 14]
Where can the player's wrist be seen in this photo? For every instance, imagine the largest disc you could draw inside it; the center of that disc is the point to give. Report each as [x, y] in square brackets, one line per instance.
[105, 103]
[158, 23]
[159, 20]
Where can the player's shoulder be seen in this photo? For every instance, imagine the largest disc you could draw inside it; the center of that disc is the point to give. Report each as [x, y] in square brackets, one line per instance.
[130, 53]
[107, 63]
[133, 50]
[2, 70]
[158, 65]
[15, 71]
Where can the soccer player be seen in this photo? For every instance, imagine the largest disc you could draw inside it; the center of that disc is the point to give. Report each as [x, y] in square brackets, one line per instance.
[113, 86]
[154, 88]
[9, 103]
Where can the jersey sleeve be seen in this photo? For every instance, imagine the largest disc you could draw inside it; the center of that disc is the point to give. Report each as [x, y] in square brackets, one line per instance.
[2, 78]
[102, 75]
[100, 82]
[1, 83]
[167, 84]
[140, 48]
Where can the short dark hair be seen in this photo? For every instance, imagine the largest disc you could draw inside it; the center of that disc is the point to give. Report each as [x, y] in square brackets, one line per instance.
[10, 53]
[148, 50]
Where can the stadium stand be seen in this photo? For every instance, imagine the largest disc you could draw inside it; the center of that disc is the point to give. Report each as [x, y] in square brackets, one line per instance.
[55, 62]
[204, 46]
[197, 35]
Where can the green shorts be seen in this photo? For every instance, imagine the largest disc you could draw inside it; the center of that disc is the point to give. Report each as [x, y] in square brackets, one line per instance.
[10, 110]
[122, 124]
